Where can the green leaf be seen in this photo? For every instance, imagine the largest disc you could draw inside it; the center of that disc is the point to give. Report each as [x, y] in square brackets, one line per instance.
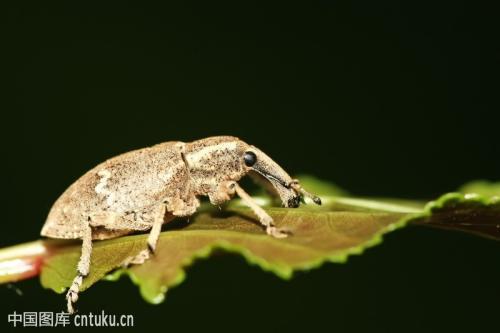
[481, 187]
[343, 226]
[320, 187]
[470, 212]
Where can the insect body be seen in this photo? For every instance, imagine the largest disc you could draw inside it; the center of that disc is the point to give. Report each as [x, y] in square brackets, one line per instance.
[142, 189]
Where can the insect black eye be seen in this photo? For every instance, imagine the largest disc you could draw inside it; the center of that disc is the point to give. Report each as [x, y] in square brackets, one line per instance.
[250, 158]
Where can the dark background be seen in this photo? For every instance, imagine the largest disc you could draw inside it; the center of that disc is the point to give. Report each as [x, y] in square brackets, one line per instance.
[383, 98]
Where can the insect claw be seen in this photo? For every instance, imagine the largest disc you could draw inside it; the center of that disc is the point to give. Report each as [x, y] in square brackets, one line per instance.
[278, 232]
[300, 189]
[71, 298]
[151, 249]
[317, 200]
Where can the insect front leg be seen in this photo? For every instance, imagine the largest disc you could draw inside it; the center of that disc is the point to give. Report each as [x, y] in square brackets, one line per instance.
[230, 187]
[83, 269]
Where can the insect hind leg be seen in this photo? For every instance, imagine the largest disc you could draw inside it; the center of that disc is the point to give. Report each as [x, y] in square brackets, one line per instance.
[83, 269]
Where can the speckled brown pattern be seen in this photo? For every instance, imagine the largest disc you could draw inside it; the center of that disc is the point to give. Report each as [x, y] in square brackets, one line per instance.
[127, 187]
[142, 189]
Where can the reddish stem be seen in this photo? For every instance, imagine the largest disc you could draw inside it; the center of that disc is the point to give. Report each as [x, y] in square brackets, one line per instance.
[24, 261]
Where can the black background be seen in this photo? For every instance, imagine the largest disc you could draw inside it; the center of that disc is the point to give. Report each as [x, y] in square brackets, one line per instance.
[383, 98]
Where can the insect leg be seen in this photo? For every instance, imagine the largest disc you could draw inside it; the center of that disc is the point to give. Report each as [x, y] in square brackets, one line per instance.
[158, 218]
[82, 269]
[156, 229]
[264, 218]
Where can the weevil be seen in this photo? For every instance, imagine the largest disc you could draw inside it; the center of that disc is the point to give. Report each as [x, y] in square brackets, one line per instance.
[142, 189]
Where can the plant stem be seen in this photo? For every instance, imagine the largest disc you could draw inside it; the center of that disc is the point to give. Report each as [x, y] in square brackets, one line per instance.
[24, 261]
